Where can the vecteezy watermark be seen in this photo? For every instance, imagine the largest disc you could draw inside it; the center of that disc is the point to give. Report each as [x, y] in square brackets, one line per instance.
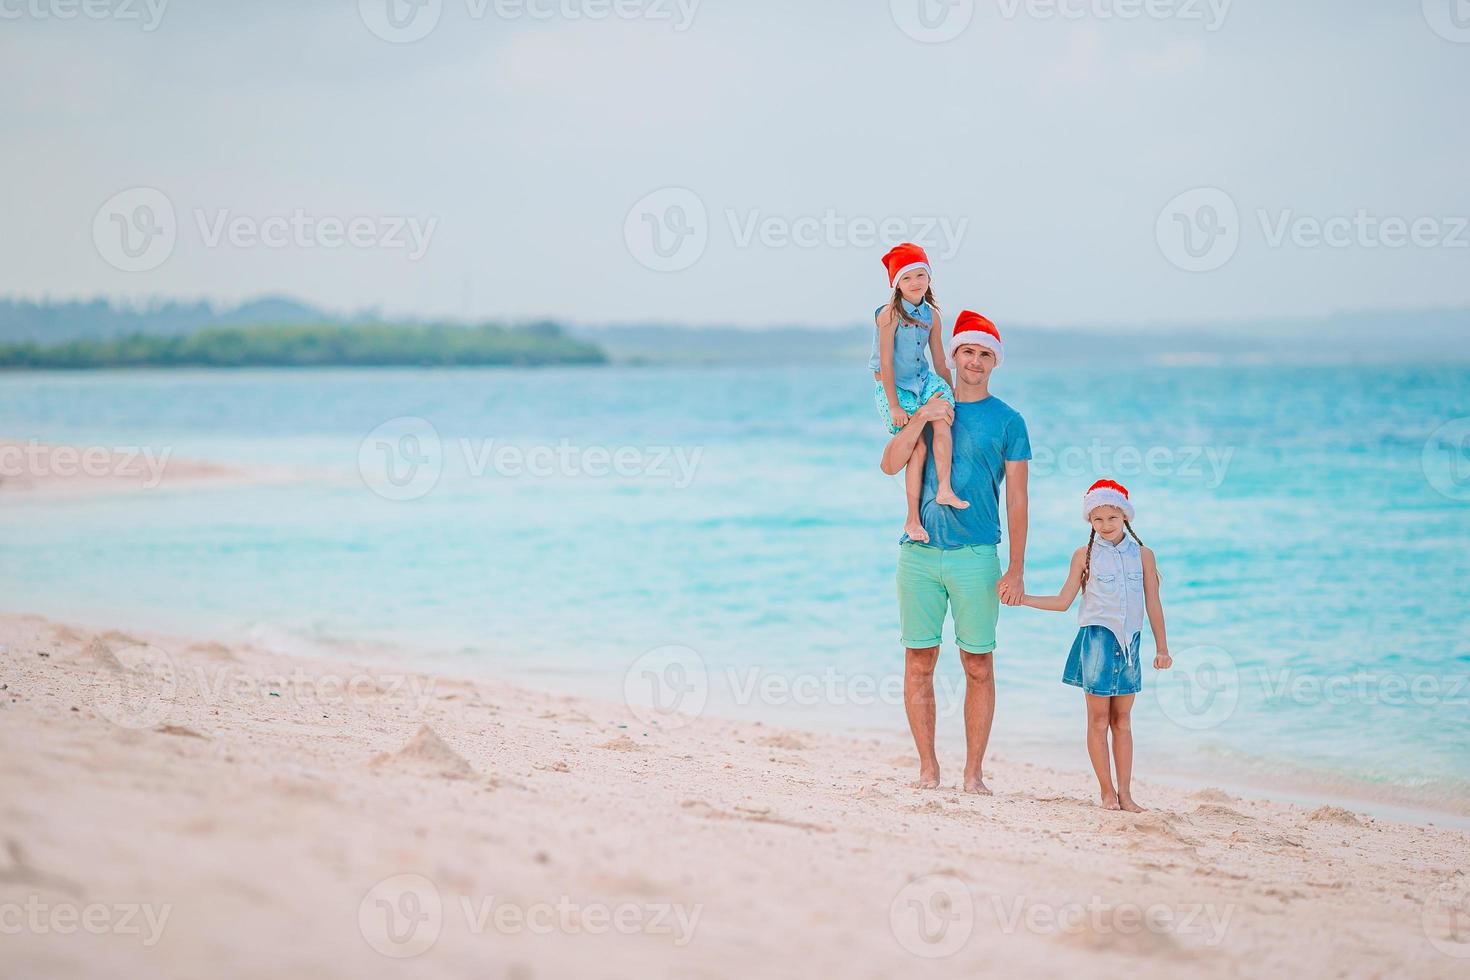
[933, 916]
[136, 230]
[1445, 917]
[1098, 917]
[147, 13]
[1450, 19]
[41, 918]
[227, 684]
[1201, 690]
[1201, 230]
[406, 21]
[1446, 459]
[137, 686]
[1206, 463]
[403, 916]
[1210, 14]
[1364, 688]
[37, 460]
[932, 21]
[403, 459]
[667, 686]
[669, 229]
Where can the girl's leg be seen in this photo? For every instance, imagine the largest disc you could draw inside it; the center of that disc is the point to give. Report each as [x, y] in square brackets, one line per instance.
[1098, 717]
[943, 457]
[1120, 720]
[913, 483]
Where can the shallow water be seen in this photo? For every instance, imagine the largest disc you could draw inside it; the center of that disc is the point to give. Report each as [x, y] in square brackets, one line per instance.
[1314, 541]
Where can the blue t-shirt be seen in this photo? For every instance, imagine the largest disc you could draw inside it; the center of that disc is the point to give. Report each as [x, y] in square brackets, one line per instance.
[987, 434]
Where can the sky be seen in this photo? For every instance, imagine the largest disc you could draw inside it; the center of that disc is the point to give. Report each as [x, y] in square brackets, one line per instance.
[740, 162]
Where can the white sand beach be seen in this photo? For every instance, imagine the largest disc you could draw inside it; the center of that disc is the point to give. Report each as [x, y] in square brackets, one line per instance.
[180, 808]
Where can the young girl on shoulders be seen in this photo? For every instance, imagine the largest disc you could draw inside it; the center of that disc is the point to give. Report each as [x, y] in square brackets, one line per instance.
[1119, 581]
[907, 327]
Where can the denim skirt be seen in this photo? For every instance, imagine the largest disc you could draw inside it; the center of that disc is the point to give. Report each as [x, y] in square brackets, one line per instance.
[1099, 666]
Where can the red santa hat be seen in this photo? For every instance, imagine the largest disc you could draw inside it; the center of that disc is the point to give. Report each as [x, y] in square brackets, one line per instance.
[905, 258]
[972, 328]
[1106, 493]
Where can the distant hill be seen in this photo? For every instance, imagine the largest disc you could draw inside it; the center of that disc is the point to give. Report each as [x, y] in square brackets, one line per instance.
[319, 345]
[1359, 337]
[50, 322]
[1397, 336]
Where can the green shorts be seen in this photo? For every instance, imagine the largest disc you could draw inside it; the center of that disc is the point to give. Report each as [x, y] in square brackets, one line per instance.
[963, 579]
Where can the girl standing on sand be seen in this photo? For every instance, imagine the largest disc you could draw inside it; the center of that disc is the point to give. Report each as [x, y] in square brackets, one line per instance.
[905, 328]
[1118, 579]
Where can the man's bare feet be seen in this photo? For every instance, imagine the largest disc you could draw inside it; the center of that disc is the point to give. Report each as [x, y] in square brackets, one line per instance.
[915, 531]
[976, 785]
[1110, 801]
[928, 778]
[948, 499]
[1126, 802]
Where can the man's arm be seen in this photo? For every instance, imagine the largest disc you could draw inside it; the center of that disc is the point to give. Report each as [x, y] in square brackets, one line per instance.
[896, 454]
[1012, 586]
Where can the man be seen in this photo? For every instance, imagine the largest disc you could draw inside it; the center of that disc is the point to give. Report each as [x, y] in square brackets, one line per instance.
[960, 567]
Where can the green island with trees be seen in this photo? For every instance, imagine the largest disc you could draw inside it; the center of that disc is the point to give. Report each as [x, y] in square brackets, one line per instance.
[316, 345]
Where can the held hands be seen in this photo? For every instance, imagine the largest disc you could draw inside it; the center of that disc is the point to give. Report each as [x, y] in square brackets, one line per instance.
[1010, 588]
[900, 417]
[1162, 660]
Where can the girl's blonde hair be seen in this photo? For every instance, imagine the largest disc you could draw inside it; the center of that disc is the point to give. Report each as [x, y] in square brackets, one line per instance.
[1087, 562]
[902, 315]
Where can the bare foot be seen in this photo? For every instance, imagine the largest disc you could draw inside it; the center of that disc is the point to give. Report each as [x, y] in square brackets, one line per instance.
[1126, 802]
[928, 778]
[976, 785]
[1110, 801]
[915, 531]
[948, 499]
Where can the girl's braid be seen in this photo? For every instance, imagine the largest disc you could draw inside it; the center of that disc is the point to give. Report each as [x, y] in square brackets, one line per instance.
[1087, 562]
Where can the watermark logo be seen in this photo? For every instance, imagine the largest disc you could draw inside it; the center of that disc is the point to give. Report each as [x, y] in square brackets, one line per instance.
[1450, 19]
[1446, 917]
[400, 21]
[1210, 13]
[138, 686]
[135, 230]
[402, 459]
[1202, 689]
[667, 686]
[932, 21]
[933, 916]
[1199, 230]
[148, 13]
[1446, 459]
[42, 918]
[667, 230]
[401, 916]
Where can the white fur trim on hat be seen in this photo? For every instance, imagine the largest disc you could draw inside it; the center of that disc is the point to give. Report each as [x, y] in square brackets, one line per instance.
[910, 268]
[1106, 497]
[980, 339]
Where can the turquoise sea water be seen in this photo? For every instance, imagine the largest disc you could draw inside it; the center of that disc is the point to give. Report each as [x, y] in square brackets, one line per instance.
[1312, 525]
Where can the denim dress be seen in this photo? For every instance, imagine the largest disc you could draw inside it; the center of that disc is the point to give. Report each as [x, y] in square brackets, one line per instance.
[1104, 656]
[914, 382]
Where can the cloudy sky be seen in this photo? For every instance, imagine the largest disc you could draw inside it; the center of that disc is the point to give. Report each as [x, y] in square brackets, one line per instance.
[741, 161]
